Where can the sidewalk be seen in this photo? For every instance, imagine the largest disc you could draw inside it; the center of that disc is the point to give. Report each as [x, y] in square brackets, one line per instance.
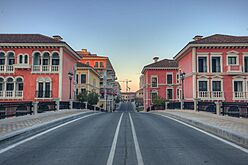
[16, 125]
[230, 128]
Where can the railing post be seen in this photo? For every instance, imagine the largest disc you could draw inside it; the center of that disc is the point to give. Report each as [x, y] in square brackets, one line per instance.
[166, 105]
[35, 107]
[195, 105]
[218, 108]
[57, 104]
[182, 105]
[71, 104]
[86, 105]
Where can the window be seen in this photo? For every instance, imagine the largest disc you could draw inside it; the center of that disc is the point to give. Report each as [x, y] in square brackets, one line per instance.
[37, 59]
[101, 64]
[1, 85]
[216, 64]
[83, 78]
[20, 59]
[216, 85]
[169, 94]
[11, 58]
[10, 84]
[202, 64]
[19, 84]
[47, 89]
[2, 58]
[44, 88]
[46, 58]
[169, 78]
[232, 60]
[55, 59]
[203, 86]
[87, 63]
[246, 63]
[238, 86]
[96, 64]
[26, 59]
[178, 93]
[178, 78]
[154, 82]
[83, 90]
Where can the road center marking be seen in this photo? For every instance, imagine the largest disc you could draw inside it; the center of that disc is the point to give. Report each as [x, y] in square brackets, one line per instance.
[114, 143]
[42, 133]
[136, 143]
[209, 134]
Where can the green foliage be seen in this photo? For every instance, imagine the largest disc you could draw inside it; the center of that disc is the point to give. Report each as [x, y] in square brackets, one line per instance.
[117, 100]
[83, 96]
[159, 101]
[93, 98]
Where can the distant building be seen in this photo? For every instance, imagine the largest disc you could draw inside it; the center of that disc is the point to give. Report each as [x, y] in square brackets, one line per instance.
[139, 97]
[128, 96]
[87, 79]
[34, 67]
[161, 79]
[216, 68]
[106, 71]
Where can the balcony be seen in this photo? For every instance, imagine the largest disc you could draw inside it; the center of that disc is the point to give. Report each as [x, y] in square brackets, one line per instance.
[45, 68]
[43, 94]
[239, 95]
[6, 68]
[213, 95]
[234, 68]
[11, 94]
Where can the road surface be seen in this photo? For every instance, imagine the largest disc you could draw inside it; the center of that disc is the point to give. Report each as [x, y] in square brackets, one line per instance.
[123, 137]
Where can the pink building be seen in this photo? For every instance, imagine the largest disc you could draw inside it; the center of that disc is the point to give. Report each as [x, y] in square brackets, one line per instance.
[35, 67]
[161, 79]
[216, 68]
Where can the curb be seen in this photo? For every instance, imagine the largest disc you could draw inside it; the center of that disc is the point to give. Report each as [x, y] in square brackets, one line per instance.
[26, 132]
[239, 140]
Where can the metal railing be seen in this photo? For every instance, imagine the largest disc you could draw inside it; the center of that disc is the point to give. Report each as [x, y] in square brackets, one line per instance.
[43, 94]
[8, 109]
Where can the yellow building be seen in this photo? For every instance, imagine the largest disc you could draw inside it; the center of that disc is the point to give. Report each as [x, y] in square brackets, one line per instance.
[86, 79]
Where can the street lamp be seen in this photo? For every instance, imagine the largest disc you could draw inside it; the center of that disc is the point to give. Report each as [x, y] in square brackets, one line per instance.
[182, 76]
[70, 75]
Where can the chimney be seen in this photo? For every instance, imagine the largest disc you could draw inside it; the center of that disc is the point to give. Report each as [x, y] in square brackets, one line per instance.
[57, 37]
[84, 50]
[155, 59]
[197, 37]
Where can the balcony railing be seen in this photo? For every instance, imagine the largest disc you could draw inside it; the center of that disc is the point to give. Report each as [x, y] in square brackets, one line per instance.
[45, 68]
[43, 94]
[7, 68]
[239, 95]
[19, 94]
[11, 94]
[214, 95]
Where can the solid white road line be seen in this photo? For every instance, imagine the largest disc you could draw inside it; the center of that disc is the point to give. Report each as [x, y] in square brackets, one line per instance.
[136, 144]
[114, 143]
[42, 133]
[209, 134]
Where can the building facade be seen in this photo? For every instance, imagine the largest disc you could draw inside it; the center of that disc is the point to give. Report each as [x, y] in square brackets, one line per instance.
[161, 79]
[87, 79]
[35, 67]
[107, 74]
[128, 96]
[216, 68]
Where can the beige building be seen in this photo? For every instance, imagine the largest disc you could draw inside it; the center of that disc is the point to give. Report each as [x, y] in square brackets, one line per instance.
[86, 79]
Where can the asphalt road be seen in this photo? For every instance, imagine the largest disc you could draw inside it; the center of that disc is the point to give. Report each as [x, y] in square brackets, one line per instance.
[123, 137]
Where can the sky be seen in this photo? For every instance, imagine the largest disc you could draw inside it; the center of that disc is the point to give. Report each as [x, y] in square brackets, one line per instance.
[129, 32]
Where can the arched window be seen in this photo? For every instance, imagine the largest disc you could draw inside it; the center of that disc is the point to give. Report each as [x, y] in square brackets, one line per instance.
[26, 59]
[11, 58]
[2, 58]
[55, 59]
[10, 84]
[37, 58]
[46, 59]
[20, 59]
[19, 84]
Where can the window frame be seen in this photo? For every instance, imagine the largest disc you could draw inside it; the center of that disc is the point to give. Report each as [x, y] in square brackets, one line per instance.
[221, 65]
[167, 74]
[154, 76]
[207, 63]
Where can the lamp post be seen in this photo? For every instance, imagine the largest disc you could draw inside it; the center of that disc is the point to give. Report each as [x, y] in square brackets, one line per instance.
[70, 75]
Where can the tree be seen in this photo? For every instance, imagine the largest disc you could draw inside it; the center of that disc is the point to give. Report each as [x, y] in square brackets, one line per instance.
[92, 98]
[159, 101]
[83, 96]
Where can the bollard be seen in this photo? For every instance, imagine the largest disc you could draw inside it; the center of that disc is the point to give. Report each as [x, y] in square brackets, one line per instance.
[86, 105]
[166, 105]
[218, 108]
[57, 105]
[35, 108]
[182, 105]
